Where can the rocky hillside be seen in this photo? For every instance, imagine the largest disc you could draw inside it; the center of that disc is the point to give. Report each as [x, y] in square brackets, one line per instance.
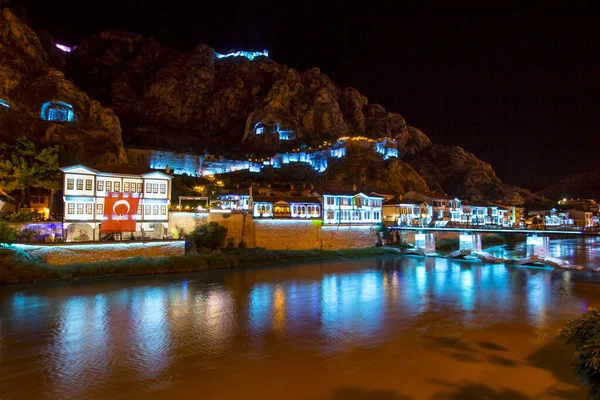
[28, 80]
[193, 101]
[584, 185]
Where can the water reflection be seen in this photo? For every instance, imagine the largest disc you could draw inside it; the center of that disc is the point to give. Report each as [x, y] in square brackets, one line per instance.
[82, 329]
[150, 331]
[85, 339]
[580, 251]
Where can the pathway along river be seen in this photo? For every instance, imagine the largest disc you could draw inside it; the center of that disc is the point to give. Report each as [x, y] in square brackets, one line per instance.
[381, 328]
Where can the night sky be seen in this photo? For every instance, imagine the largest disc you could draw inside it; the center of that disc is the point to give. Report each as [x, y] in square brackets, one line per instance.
[519, 87]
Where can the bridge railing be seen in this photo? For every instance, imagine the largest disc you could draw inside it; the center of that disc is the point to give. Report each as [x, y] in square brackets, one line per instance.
[515, 227]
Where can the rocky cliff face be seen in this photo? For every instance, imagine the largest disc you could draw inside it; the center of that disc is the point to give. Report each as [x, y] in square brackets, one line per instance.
[193, 101]
[28, 80]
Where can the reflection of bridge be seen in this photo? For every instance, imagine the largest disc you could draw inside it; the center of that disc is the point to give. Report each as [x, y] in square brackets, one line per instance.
[549, 231]
[469, 244]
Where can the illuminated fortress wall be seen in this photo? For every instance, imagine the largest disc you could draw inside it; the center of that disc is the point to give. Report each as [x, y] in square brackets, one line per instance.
[178, 163]
[317, 158]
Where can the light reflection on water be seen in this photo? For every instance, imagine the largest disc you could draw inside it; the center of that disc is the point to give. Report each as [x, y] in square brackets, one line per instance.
[580, 251]
[93, 338]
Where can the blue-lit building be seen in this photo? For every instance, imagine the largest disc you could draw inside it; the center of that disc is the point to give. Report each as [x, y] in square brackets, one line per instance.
[235, 200]
[352, 207]
[286, 207]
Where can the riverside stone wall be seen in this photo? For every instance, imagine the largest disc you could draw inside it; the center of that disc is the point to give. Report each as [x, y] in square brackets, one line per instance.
[69, 253]
[280, 234]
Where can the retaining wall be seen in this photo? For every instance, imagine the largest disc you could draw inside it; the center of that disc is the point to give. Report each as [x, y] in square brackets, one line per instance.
[69, 253]
[280, 234]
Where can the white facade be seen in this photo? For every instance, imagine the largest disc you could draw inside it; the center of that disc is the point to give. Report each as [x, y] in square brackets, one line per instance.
[235, 201]
[408, 213]
[291, 207]
[86, 188]
[355, 208]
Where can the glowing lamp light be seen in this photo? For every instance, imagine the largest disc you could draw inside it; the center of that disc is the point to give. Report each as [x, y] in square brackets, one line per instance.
[63, 48]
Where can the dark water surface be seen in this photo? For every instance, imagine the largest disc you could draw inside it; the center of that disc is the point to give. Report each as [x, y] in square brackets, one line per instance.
[379, 328]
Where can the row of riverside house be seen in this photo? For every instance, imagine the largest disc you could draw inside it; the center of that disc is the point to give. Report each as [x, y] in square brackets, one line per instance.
[355, 207]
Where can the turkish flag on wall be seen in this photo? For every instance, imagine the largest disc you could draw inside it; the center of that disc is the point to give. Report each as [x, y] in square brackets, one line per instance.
[120, 210]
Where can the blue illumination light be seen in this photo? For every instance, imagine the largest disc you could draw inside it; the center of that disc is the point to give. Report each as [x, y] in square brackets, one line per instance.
[3, 103]
[259, 128]
[250, 55]
[287, 135]
[180, 164]
[57, 111]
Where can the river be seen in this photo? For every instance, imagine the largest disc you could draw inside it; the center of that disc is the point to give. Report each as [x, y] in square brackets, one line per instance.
[393, 328]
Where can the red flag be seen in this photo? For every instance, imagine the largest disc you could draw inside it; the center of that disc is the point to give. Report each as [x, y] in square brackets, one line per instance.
[120, 210]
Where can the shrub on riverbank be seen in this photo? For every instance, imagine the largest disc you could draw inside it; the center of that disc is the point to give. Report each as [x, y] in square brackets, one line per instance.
[209, 236]
[584, 334]
[15, 268]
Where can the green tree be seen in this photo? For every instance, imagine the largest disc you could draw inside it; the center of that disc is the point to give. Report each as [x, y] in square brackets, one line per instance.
[23, 166]
[584, 334]
[25, 215]
[7, 234]
[209, 236]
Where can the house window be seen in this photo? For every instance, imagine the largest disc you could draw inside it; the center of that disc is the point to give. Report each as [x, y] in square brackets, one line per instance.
[163, 188]
[117, 186]
[147, 210]
[108, 186]
[35, 200]
[79, 184]
[155, 210]
[126, 187]
[79, 208]
[100, 186]
[148, 188]
[88, 208]
[140, 187]
[99, 209]
[139, 211]
[69, 184]
[155, 188]
[70, 208]
[163, 210]
[88, 184]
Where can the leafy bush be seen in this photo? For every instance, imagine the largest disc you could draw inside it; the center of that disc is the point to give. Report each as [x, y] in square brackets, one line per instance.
[25, 215]
[209, 236]
[584, 334]
[7, 234]
[26, 235]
